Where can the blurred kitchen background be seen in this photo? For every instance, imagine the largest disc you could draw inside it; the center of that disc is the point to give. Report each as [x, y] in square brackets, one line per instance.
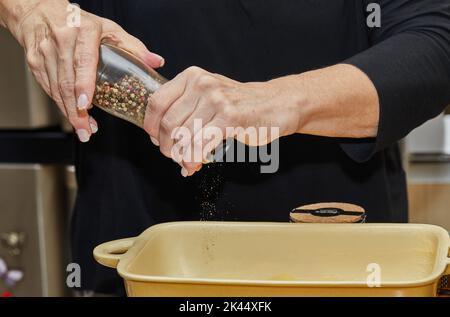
[37, 183]
[38, 187]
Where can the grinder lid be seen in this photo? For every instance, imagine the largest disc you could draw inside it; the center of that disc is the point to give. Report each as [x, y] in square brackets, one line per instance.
[332, 212]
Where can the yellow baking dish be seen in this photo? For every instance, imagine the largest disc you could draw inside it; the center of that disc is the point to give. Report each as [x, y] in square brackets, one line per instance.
[280, 259]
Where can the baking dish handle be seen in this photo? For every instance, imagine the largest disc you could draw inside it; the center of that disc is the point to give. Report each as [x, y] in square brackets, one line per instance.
[447, 270]
[109, 253]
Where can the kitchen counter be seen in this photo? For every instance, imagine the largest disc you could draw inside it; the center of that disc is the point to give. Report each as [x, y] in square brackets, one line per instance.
[39, 146]
[429, 193]
[429, 173]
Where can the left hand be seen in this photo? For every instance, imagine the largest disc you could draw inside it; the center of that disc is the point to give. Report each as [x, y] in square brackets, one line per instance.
[219, 103]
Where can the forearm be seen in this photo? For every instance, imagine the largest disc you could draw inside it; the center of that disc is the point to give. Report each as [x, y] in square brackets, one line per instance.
[338, 101]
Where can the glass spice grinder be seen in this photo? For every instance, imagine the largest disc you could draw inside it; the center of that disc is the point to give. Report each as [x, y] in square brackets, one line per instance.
[124, 84]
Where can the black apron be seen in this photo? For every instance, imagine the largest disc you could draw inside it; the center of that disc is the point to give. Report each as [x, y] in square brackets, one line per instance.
[126, 185]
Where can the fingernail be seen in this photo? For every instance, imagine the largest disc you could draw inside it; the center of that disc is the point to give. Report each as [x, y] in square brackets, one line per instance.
[93, 125]
[83, 135]
[163, 61]
[83, 102]
[154, 141]
[152, 56]
[184, 172]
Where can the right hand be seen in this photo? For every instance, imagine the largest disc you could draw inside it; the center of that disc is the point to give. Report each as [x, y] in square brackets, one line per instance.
[64, 59]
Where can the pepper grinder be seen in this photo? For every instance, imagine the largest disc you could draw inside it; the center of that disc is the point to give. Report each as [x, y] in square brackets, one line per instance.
[124, 84]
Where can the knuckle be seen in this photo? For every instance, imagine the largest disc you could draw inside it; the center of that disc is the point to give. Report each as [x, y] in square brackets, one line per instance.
[193, 70]
[228, 114]
[167, 125]
[216, 98]
[83, 86]
[165, 152]
[63, 36]
[64, 58]
[148, 128]
[66, 87]
[83, 60]
[71, 121]
[44, 47]
[205, 81]
[77, 122]
[113, 24]
[55, 95]
[32, 61]
[72, 118]
[154, 103]
[61, 33]
[165, 147]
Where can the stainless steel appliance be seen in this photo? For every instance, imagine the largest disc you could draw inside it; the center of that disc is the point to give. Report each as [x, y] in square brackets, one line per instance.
[33, 228]
[23, 105]
[33, 154]
[431, 141]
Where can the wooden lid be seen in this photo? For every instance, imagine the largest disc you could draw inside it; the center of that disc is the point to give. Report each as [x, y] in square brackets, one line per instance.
[328, 213]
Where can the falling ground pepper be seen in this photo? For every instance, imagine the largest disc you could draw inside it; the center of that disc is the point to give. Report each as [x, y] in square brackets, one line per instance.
[210, 183]
[127, 98]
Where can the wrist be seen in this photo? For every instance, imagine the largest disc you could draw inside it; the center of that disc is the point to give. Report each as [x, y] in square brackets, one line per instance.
[293, 102]
[13, 12]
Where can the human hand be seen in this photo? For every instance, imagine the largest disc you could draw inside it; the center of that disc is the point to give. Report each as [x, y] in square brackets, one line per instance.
[182, 114]
[63, 58]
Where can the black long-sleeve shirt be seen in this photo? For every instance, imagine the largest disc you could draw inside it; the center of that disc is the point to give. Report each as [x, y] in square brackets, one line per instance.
[409, 63]
[126, 185]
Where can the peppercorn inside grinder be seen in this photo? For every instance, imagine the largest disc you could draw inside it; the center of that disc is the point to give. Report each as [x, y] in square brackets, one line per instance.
[124, 84]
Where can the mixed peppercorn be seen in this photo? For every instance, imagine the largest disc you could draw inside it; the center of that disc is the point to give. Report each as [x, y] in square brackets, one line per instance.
[126, 97]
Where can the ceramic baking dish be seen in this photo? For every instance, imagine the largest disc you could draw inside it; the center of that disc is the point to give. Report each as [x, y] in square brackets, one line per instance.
[280, 259]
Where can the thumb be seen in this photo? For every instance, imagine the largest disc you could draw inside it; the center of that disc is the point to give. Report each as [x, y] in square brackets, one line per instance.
[116, 35]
